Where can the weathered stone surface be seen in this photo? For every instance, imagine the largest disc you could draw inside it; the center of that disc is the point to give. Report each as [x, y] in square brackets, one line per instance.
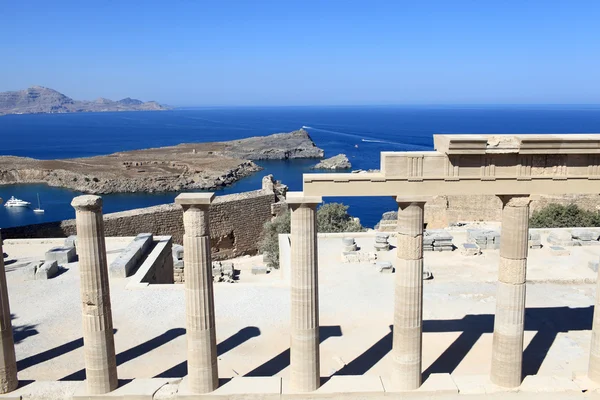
[358, 257]
[585, 234]
[236, 221]
[336, 162]
[62, 255]
[131, 257]
[8, 361]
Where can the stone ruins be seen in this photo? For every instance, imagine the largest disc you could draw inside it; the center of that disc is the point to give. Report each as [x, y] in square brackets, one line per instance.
[514, 168]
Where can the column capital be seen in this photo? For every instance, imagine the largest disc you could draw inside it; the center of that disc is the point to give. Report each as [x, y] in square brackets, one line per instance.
[298, 199]
[412, 199]
[195, 200]
[87, 202]
[516, 200]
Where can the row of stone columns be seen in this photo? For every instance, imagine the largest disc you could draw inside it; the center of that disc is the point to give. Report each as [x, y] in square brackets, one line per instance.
[100, 361]
[407, 345]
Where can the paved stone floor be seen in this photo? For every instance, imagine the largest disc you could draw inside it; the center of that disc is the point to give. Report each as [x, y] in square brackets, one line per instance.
[356, 311]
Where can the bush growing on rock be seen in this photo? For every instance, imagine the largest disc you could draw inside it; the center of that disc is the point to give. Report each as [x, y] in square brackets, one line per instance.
[560, 216]
[331, 217]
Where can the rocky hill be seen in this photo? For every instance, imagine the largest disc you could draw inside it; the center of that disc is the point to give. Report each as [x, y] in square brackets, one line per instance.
[182, 167]
[38, 99]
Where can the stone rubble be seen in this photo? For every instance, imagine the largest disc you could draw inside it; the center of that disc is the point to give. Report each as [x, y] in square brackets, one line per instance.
[437, 240]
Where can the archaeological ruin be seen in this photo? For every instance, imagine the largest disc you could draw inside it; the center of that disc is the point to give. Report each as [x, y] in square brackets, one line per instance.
[515, 169]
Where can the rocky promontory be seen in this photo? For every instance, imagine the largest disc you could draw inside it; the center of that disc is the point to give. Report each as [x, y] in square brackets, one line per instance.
[336, 162]
[202, 166]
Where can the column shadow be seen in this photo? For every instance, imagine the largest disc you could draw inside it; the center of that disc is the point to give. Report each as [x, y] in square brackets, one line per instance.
[546, 322]
[282, 360]
[226, 345]
[22, 332]
[135, 351]
[50, 354]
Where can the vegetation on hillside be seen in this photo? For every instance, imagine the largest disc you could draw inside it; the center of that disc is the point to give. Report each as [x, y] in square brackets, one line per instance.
[331, 217]
[560, 216]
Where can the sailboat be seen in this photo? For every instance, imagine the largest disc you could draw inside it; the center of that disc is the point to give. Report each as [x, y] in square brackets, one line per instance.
[39, 209]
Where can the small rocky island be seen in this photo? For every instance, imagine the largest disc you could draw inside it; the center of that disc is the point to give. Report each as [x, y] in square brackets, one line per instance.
[336, 162]
[41, 100]
[203, 166]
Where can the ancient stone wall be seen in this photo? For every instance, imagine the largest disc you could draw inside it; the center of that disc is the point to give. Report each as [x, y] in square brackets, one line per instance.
[236, 223]
[445, 210]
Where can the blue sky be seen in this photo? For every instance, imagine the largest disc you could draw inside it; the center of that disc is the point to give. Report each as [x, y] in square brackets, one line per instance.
[324, 52]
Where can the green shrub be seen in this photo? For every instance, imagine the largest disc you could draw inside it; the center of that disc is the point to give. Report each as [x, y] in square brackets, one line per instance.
[559, 216]
[331, 217]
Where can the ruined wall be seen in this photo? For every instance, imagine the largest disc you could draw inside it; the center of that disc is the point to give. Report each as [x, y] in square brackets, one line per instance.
[444, 210]
[236, 223]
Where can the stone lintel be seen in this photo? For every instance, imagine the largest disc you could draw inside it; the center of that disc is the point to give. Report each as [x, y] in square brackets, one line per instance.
[299, 198]
[87, 202]
[190, 199]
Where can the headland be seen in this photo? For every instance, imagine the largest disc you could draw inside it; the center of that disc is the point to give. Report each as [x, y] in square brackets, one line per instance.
[199, 166]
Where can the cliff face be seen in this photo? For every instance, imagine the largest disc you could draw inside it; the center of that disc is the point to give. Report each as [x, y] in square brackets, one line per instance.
[38, 99]
[183, 167]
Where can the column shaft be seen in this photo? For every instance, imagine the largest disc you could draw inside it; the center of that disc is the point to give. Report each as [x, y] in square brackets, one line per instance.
[507, 347]
[203, 372]
[304, 357]
[98, 336]
[594, 366]
[8, 362]
[408, 298]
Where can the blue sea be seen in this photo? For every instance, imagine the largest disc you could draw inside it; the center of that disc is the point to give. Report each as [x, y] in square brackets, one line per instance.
[359, 132]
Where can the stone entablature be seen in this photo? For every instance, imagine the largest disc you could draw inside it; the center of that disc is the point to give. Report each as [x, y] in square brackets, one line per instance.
[477, 164]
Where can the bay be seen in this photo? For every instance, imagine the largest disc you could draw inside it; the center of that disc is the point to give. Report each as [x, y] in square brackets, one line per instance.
[359, 132]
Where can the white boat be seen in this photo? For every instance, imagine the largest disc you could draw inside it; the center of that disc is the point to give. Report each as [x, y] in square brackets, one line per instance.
[12, 202]
[39, 209]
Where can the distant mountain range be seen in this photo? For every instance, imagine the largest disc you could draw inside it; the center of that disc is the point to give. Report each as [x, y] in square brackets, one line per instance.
[38, 99]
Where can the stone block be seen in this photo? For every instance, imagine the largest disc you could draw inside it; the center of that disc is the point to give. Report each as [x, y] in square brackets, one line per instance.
[559, 251]
[28, 271]
[71, 241]
[585, 234]
[381, 246]
[62, 255]
[227, 268]
[427, 274]
[259, 270]
[347, 241]
[384, 267]
[560, 238]
[470, 249]
[47, 270]
[534, 236]
[177, 252]
[593, 265]
[131, 256]
[381, 237]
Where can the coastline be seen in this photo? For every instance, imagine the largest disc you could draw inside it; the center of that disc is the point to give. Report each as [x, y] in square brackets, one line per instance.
[192, 166]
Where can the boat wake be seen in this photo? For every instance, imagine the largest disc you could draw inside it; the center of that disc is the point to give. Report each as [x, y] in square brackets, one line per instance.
[306, 127]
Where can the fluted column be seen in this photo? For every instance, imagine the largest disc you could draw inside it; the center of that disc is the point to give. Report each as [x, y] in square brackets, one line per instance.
[98, 337]
[8, 362]
[203, 374]
[507, 347]
[408, 295]
[305, 373]
[594, 366]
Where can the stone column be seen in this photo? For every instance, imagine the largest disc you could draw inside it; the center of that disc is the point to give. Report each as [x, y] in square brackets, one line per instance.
[8, 362]
[98, 337]
[594, 367]
[507, 348]
[408, 296]
[203, 374]
[305, 373]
